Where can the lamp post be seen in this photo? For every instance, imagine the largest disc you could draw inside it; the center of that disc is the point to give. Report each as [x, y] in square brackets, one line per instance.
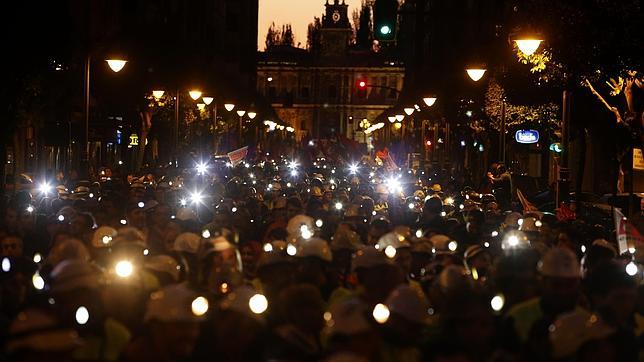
[116, 65]
[241, 114]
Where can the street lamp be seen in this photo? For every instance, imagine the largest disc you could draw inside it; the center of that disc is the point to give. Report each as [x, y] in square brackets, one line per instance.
[229, 106]
[201, 106]
[409, 110]
[195, 94]
[400, 117]
[528, 45]
[429, 101]
[391, 119]
[241, 113]
[207, 100]
[475, 73]
[252, 115]
[116, 64]
[157, 94]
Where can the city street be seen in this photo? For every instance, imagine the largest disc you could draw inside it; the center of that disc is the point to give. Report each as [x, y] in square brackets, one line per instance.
[322, 180]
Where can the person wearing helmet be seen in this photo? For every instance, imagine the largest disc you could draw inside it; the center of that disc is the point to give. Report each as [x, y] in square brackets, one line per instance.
[478, 262]
[37, 335]
[75, 285]
[350, 334]
[401, 331]
[501, 181]
[275, 269]
[432, 220]
[313, 260]
[172, 320]
[560, 287]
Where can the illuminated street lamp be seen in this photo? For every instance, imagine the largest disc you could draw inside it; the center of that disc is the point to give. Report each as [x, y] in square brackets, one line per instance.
[207, 100]
[229, 106]
[241, 113]
[475, 73]
[201, 106]
[252, 115]
[157, 94]
[400, 117]
[528, 45]
[195, 94]
[429, 101]
[116, 64]
[391, 119]
[409, 110]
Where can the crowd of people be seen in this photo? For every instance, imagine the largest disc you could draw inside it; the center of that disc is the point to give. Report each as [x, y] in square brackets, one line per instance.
[273, 261]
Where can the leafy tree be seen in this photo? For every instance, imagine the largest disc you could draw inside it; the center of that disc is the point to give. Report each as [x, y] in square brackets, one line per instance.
[287, 35]
[313, 35]
[273, 36]
[364, 32]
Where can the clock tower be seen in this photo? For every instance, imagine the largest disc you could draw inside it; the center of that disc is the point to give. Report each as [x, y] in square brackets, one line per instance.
[336, 29]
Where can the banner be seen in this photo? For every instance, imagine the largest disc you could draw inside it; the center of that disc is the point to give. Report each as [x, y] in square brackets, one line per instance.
[527, 205]
[387, 162]
[627, 234]
[238, 155]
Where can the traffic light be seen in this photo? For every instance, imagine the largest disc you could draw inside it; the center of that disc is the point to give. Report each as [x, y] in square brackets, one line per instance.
[362, 84]
[385, 15]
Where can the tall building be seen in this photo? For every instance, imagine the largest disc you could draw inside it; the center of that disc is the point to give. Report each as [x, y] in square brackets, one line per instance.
[317, 91]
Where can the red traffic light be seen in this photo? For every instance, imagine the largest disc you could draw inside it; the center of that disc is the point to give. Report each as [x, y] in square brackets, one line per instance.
[428, 143]
[362, 84]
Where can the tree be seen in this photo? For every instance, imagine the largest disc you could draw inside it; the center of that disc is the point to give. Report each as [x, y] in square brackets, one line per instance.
[313, 36]
[287, 36]
[273, 36]
[364, 29]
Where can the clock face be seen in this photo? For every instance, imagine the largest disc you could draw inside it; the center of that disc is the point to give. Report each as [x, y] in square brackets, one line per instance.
[335, 16]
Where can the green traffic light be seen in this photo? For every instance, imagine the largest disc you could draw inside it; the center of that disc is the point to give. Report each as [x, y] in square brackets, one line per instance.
[385, 30]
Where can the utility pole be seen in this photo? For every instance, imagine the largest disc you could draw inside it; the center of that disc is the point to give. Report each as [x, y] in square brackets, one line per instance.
[563, 183]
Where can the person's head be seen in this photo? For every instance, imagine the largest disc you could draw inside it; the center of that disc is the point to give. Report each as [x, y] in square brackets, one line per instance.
[560, 279]
[612, 292]
[81, 225]
[136, 215]
[250, 253]
[11, 246]
[302, 306]
[11, 219]
[74, 285]
[376, 273]
[408, 314]
[172, 322]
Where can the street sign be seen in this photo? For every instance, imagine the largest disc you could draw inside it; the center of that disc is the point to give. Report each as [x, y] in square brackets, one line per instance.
[527, 136]
[134, 139]
[638, 159]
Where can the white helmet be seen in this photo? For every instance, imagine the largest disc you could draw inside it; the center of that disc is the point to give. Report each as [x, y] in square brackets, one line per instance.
[174, 303]
[443, 244]
[314, 247]
[164, 264]
[297, 224]
[559, 262]
[188, 242]
[512, 220]
[247, 301]
[186, 214]
[369, 257]
[570, 331]
[346, 239]
[405, 302]
[529, 224]
[347, 319]
[103, 237]
[37, 330]
[392, 239]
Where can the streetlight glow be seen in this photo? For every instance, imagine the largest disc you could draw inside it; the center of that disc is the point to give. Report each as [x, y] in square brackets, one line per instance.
[429, 101]
[400, 117]
[157, 94]
[195, 94]
[409, 111]
[201, 106]
[391, 119]
[241, 113]
[475, 73]
[229, 106]
[252, 115]
[116, 64]
[528, 46]
[207, 100]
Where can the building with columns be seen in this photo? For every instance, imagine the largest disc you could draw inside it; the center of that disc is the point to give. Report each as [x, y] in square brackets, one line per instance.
[317, 91]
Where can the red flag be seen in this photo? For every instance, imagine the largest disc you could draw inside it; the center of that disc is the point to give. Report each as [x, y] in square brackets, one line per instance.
[627, 235]
[237, 155]
[527, 205]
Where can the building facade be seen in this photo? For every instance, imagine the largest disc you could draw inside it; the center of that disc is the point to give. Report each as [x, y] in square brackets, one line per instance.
[318, 92]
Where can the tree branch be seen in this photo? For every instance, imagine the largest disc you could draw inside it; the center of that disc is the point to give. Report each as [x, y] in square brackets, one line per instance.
[612, 109]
